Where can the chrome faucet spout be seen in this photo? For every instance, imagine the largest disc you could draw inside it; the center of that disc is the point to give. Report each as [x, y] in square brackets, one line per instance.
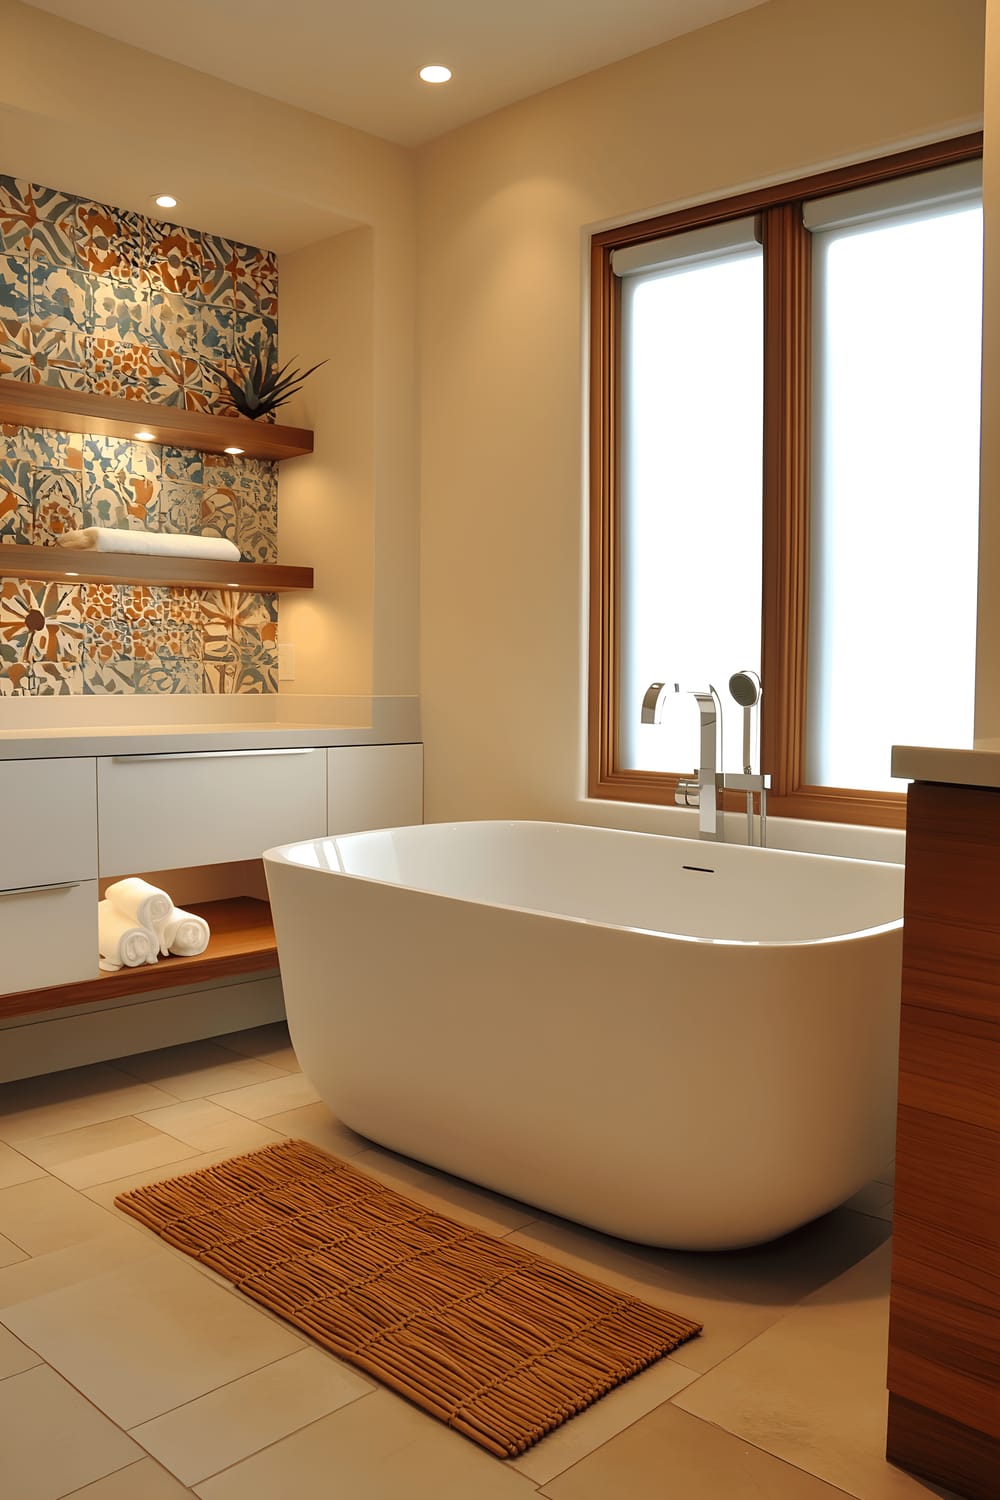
[709, 779]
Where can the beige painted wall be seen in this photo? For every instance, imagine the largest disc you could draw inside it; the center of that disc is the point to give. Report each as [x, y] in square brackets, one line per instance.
[988, 642]
[81, 112]
[780, 90]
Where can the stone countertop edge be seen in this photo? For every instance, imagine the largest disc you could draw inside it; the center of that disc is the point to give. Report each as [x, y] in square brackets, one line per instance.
[976, 766]
[173, 740]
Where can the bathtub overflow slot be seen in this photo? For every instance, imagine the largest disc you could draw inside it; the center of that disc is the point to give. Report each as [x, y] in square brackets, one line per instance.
[701, 869]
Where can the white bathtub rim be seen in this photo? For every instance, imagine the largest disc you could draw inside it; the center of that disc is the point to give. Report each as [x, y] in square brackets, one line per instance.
[283, 854]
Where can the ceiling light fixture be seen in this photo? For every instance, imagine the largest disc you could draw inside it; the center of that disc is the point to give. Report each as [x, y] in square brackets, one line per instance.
[435, 74]
[233, 450]
[144, 436]
[165, 200]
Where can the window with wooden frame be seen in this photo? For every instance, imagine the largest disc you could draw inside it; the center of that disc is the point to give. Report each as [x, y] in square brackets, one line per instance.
[784, 478]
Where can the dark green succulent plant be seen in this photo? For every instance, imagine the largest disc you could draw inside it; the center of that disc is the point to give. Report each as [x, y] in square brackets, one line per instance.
[265, 386]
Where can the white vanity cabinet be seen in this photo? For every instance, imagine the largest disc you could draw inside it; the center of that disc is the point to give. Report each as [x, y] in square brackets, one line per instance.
[48, 872]
[162, 812]
[374, 786]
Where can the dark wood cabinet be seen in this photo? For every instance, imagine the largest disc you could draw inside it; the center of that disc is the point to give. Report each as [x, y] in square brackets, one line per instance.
[944, 1329]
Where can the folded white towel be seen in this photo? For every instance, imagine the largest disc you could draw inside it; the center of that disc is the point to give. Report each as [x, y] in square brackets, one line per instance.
[164, 543]
[143, 904]
[183, 933]
[121, 941]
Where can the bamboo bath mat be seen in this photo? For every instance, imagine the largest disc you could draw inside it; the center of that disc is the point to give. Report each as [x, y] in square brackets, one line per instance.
[492, 1340]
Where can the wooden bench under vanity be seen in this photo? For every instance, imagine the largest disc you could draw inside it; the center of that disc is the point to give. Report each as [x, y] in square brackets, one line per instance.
[190, 809]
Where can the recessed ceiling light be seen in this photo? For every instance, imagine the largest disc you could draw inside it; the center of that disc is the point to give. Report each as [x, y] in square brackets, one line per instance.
[144, 436]
[435, 74]
[234, 450]
[165, 200]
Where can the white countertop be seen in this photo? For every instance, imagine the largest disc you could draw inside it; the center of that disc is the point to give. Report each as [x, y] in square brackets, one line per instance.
[979, 765]
[65, 727]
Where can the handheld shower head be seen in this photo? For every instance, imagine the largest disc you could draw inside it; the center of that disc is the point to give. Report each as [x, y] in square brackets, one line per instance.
[746, 689]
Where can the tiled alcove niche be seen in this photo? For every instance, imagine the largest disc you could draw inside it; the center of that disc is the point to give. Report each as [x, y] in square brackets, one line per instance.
[94, 298]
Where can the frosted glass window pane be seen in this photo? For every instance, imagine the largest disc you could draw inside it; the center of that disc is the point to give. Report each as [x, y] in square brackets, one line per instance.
[692, 404]
[898, 311]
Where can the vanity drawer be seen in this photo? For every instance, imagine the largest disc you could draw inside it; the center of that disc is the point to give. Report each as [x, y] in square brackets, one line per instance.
[163, 812]
[48, 935]
[48, 831]
[374, 786]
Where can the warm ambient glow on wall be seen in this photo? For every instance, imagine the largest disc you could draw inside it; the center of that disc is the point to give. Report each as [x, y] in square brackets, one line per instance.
[435, 74]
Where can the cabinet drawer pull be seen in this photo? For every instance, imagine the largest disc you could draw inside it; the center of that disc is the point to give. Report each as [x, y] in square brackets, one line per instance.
[211, 754]
[27, 890]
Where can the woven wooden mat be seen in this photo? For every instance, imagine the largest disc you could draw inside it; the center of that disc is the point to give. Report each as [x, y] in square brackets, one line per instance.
[484, 1335]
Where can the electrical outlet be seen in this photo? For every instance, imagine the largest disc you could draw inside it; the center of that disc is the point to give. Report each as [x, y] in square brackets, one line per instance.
[286, 661]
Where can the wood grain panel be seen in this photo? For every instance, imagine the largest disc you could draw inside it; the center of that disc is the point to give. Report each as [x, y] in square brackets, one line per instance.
[936, 1048]
[944, 1320]
[112, 416]
[242, 942]
[944, 1451]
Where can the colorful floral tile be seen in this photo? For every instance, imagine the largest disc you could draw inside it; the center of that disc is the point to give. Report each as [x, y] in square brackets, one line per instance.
[169, 372]
[107, 640]
[183, 607]
[141, 603]
[168, 675]
[113, 676]
[105, 453]
[120, 311]
[254, 337]
[58, 357]
[118, 369]
[99, 602]
[61, 298]
[57, 503]
[15, 289]
[54, 241]
[176, 323]
[50, 204]
[221, 676]
[183, 464]
[42, 446]
[173, 259]
[15, 195]
[258, 670]
[217, 334]
[179, 507]
[219, 263]
[105, 500]
[15, 350]
[257, 525]
[15, 679]
[109, 241]
[56, 679]
[218, 516]
[40, 621]
[16, 515]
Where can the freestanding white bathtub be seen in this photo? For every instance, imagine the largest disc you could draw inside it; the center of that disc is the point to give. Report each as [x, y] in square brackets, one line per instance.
[681, 1043]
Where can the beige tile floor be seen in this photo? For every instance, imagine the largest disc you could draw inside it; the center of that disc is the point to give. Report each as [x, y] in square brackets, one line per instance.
[128, 1372]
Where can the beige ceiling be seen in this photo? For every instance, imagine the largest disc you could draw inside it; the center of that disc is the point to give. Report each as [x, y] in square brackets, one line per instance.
[357, 63]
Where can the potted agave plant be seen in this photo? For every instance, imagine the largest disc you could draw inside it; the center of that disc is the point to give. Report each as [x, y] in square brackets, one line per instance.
[265, 386]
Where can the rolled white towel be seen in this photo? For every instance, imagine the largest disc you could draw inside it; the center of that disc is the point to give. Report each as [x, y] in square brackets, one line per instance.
[163, 543]
[121, 941]
[183, 933]
[145, 905]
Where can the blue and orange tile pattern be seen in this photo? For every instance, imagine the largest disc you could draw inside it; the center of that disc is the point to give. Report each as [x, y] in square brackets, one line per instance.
[95, 298]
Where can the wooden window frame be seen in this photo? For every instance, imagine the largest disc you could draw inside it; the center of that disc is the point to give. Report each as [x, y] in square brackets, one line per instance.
[786, 491]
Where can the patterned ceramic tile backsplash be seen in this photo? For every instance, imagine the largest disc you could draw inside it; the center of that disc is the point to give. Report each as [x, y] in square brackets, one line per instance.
[94, 298]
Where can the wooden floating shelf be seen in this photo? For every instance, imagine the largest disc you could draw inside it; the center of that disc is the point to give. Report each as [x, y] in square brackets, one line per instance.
[242, 942]
[71, 565]
[111, 416]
